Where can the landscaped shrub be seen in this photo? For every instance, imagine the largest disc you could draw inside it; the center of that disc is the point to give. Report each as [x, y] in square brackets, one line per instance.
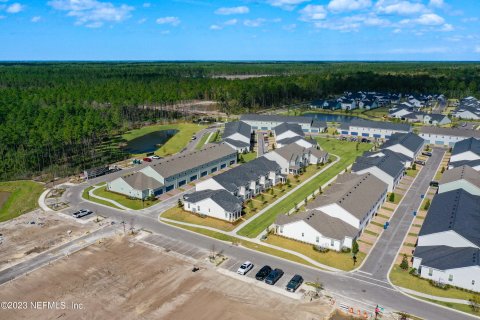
[320, 249]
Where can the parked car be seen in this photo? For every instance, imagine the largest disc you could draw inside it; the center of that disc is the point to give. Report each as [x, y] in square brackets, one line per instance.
[294, 283]
[82, 213]
[464, 124]
[147, 159]
[274, 276]
[194, 138]
[420, 162]
[245, 267]
[428, 154]
[155, 157]
[365, 140]
[434, 183]
[263, 273]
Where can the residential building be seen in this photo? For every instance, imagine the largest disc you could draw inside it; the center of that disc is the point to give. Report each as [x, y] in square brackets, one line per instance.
[408, 144]
[325, 104]
[246, 180]
[338, 216]
[374, 129]
[286, 131]
[293, 158]
[406, 161]
[301, 141]
[388, 168]
[466, 150]
[268, 122]
[463, 177]
[136, 185]
[436, 119]
[447, 136]
[238, 135]
[474, 164]
[219, 204]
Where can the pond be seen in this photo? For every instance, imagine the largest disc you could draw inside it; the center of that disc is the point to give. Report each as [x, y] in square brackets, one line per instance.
[3, 197]
[328, 117]
[149, 142]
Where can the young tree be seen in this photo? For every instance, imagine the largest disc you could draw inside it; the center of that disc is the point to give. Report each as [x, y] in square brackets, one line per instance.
[414, 166]
[355, 248]
[404, 263]
[443, 170]
[475, 303]
[180, 203]
[427, 204]
[391, 197]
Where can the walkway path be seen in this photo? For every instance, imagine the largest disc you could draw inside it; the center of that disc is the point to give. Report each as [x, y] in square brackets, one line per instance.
[91, 194]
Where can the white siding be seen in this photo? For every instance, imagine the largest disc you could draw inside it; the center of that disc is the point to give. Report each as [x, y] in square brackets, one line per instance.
[210, 208]
[282, 162]
[447, 238]
[469, 155]
[209, 184]
[301, 231]
[120, 186]
[380, 175]
[334, 210]
[401, 149]
[468, 277]
[460, 184]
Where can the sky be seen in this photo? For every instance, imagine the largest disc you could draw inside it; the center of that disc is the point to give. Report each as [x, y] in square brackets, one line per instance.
[321, 30]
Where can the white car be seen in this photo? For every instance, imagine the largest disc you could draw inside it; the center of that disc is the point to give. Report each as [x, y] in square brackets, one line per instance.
[245, 267]
[155, 157]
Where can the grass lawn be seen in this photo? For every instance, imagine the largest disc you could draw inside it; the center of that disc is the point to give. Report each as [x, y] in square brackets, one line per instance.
[23, 197]
[133, 204]
[346, 150]
[175, 143]
[85, 195]
[412, 173]
[247, 244]
[181, 215]
[263, 200]
[202, 141]
[457, 306]
[397, 198]
[403, 279]
[342, 261]
[247, 157]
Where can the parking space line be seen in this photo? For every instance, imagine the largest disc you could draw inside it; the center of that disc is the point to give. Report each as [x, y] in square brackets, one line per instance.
[235, 266]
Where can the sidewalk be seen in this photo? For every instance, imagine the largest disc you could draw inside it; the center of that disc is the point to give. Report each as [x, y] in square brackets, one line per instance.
[90, 193]
[428, 296]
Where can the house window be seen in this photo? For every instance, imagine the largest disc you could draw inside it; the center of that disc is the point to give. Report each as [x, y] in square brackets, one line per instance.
[450, 277]
[198, 208]
[188, 206]
[281, 229]
[317, 239]
[473, 282]
[303, 234]
[430, 272]
[208, 209]
[332, 243]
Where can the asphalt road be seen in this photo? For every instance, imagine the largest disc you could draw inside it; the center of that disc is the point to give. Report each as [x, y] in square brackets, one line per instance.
[260, 144]
[385, 251]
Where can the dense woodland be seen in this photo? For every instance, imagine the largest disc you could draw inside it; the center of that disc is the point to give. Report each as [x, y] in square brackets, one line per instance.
[60, 118]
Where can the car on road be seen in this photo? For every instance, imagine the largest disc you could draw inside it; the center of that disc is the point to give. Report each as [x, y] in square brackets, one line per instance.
[433, 183]
[428, 154]
[420, 162]
[274, 276]
[155, 157]
[147, 159]
[82, 213]
[294, 283]
[365, 140]
[245, 267]
[464, 124]
[194, 138]
[263, 273]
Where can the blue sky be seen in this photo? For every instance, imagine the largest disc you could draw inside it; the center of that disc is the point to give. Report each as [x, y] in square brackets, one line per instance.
[240, 30]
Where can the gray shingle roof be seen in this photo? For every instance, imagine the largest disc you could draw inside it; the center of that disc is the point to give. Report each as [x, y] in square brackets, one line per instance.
[410, 140]
[445, 258]
[237, 127]
[355, 193]
[140, 181]
[400, 156]
[291, 151]
[470, 163]
[470, 144]
[290, 140]
[455, 210]
[185, 161]
[239, 176]
[223, 198]
[389, 164]
[318, 124]
[275, 118]
[326, 225]
[456, 132]
[376, 125]
[284, 127]
[459, 173]
[236, 143]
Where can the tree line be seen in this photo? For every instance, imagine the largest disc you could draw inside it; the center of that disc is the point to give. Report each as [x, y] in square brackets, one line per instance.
[64, 117]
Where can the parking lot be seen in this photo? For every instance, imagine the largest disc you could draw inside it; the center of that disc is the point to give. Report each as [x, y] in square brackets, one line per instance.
[177, 246]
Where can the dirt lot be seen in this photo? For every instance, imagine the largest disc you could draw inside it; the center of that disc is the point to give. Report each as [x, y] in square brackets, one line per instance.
[22, 239]
[121, 280]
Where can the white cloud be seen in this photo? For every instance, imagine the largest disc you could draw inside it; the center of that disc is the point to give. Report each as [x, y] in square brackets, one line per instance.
[397, 30]
[147, 5]
[254, 23]
[471, 19]
[342, 26]
[230, 22]
[174, 21]
[313, 12]
[36, 19]
[399, 7]
[286, 4]
[348, 5]
[142, 21]
[232, 10]
[290, 27]
[165, 32]
[477, 49]
[2, 17]
[447, 27]
[436, 3]
[92, 13]
[15, 8]
[430, 19]
[215, 27]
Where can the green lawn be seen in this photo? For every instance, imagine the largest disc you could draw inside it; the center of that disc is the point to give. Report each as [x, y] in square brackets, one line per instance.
[202, 141]
[175, 143]
[181, 215]
[85, 195]
[23, 198]
[347, 151]
[342, 261]
[247, 157]
[457, 306]
[403, 279]
[247, 244]
[397, 198]
[412, 173]
[133, 204]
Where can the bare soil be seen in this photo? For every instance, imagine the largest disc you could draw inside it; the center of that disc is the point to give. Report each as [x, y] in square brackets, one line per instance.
[21, 239]
[118, 279]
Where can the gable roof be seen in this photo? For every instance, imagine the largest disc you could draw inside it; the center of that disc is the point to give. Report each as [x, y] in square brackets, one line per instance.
[464, 172]
[236, 143]
[317, 152]
[237, 127]
[389, 164]
[140, 181]
[445, 258]
[410, 140]
[376, 125]
[319, 124]
[284, 127]
[470, 144]
[470, 163]
[457, 132]
[181, 162]
[357, 194]
[400, 156]
[275, 118]
[223, 198]
[437, 117]
[239, 176]
[326, 225]
[290, 151]
[455, 210]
